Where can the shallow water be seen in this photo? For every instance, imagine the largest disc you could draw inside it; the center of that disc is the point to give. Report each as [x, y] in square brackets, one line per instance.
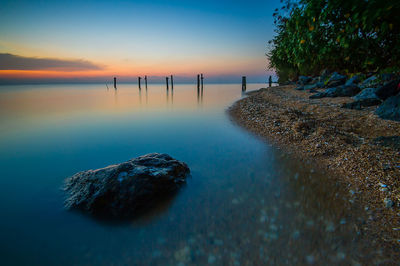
[245, 202]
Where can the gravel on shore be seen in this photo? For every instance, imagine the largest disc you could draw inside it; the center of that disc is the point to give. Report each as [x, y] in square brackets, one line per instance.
[356, 146]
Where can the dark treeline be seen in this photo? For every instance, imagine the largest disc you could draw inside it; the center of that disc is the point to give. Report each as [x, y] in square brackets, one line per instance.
[349, 36]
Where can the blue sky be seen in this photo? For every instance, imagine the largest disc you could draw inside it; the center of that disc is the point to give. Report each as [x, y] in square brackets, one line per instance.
[131, 38]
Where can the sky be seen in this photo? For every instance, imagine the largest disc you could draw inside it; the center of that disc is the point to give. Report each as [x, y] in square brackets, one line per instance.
[47, 41]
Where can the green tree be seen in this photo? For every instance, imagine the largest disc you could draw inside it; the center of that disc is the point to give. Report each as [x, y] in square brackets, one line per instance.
[342, 35]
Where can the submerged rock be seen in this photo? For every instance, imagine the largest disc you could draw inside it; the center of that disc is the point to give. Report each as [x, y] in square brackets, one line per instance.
[390, 109]
[123, 190]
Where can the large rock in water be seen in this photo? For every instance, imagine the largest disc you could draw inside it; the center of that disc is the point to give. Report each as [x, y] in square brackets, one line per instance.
[124, 190]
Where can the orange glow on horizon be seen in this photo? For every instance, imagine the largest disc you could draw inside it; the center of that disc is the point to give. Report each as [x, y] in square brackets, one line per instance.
[189, 67]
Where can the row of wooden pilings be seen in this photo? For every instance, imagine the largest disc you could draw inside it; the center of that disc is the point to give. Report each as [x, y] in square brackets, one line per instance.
[200, 79]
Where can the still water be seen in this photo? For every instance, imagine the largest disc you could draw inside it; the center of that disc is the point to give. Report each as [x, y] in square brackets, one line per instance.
[245, 203]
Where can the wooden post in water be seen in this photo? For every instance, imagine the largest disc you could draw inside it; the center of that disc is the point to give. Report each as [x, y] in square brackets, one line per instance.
[198, 81]
[202, 81]
[166, 79]
[145, 81]
[243, 83]
[115, 82]
[172, 82]
[139, 78]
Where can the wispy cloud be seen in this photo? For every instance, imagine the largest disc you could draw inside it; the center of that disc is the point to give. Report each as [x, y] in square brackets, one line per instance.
[16, 62]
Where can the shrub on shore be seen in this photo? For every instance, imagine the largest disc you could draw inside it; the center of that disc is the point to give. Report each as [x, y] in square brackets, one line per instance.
[349, 36]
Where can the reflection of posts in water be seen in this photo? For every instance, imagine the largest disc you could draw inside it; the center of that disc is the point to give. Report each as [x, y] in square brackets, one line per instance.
[115, 82]
[172, 95]
[145, 81]
[172, 82]
[167, 93]
[107, 86]
[166, 80]
[199, 96]
[201, 100]
[202, 81]
[243, 83]
[140, 96]
[139, 78]
[146, 97]
[115, 96]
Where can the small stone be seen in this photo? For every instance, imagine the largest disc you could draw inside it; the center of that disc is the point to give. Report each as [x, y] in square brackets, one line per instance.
[156, 253]
[296, 234]
[341, 255]
[310, 223]
[388, 203]
[330, 227]
[218, 242]
[161, 241]
[310, 259]
[211, 259]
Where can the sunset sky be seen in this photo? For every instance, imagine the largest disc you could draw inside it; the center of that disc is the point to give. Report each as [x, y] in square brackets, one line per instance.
[96, 40]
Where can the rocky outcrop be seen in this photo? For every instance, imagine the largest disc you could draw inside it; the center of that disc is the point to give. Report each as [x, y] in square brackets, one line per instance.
[124, 190]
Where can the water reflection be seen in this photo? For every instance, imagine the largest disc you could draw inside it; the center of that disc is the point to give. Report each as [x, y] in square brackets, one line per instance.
[246, 203]
[200, 96]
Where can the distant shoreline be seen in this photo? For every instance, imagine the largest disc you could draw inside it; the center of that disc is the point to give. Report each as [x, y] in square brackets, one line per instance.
[357, 147]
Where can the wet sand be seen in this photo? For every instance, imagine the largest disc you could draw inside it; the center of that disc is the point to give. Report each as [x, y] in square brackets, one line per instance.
[361, 150]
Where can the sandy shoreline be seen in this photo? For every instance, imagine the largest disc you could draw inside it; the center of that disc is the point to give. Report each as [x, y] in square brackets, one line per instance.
[357, 147]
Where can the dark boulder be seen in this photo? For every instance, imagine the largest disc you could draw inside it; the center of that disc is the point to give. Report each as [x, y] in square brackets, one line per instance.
[353, 80]
[335, 80]
[124, 190]
[340, 91]
[359, 104]
[372, 81]
[368, 93]
[390, 109]
[387, 77]
[316, 85]
[303, 80]
[390, 88]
